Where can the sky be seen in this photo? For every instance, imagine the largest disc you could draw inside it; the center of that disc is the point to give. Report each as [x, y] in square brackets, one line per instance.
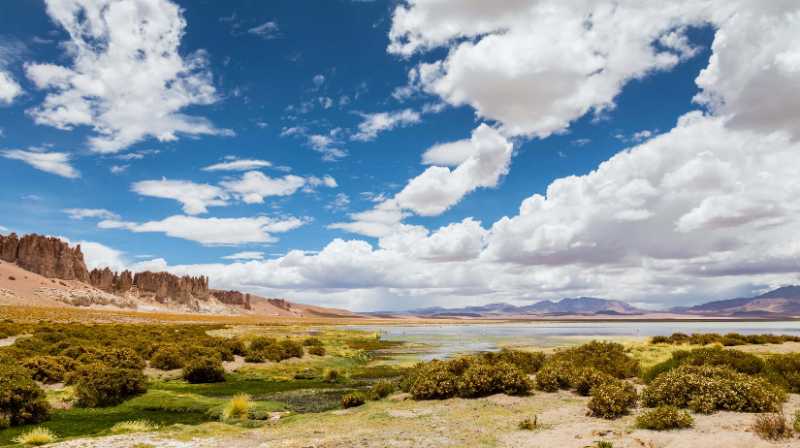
[389, 155]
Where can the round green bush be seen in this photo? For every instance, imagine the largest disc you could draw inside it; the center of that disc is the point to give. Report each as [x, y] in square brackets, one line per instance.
[255, 356]
[382, 389]
[352, 400]
[49, 369]
[554, 376]
[316, 350]
[260, 343]
[707, 389]
[434, 380]
[481, 379]
[587, 378]
[22, 401]
[100, 385]
[235, 346]
[664, 417]
[167, 357]
[528, 362]
[312, 342]
[612, 399]
[204, 370]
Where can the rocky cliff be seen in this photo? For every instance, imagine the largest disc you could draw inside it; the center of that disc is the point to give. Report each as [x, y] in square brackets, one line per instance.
[235, 298]
[46, 256]
[161, 286]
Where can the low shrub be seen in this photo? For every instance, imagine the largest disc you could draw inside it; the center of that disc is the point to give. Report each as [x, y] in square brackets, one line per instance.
[122, 358]
[36, 437]
[237, 407]
[204, 370]
[99, 385]
[772, 427]
[305, 374]
[585, 366]
[330, 375]
[664, 417]
[316, 350]
[784, 370]
[22, 401]
[585, 379]
[612, 399]
[796, 421]
[529, 424]
[254, 356]
[434, 380]
[552, 377]
[482, 378]
[133, 426]
[528, 362]
[312, 342]
[730, 339]
[710, 356]
[260, 343]
[352, 400]
[167, 357]
[707, 389]
[235, 346]
[607, 357]
[49, 369]
[382, 389]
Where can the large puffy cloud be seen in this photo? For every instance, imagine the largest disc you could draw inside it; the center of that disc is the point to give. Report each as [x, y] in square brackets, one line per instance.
[439, 188]
[698, 190]
[480, 162]
[212, 231]
[127, 79]
[536, 65]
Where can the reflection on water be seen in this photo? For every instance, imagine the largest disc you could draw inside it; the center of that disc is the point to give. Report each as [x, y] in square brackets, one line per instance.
[442, 341]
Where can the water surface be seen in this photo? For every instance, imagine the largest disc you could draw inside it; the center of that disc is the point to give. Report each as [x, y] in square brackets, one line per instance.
[445, 340]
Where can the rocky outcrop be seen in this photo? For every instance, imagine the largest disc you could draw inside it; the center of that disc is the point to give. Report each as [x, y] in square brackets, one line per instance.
[164, 285]
[281, 303]
[46, 256]
[110, 281]
[235, 298]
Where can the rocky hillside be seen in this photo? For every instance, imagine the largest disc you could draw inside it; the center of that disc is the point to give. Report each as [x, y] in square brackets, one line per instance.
[47, 256]
[784, 301]
[37, 270]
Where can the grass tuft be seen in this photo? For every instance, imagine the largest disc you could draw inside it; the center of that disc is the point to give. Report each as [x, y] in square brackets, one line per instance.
[529, 424]
[772, 427]
[133, 426]
[237, 408]
[36, 437]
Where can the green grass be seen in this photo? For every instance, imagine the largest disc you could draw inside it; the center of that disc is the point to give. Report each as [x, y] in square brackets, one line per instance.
[257, 388]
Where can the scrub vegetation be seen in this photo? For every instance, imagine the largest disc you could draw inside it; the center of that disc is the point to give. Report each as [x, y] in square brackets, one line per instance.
[67, 380]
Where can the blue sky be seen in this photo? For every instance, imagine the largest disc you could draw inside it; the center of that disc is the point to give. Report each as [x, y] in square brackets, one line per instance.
[331, 109]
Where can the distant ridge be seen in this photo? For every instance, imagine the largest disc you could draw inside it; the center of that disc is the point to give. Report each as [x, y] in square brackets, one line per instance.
[579, 305]
[784, 301]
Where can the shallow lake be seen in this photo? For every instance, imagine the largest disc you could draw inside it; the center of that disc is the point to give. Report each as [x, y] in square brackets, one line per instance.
[441, 341]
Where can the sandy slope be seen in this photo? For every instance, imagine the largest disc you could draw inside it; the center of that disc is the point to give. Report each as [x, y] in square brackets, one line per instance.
[21, 287]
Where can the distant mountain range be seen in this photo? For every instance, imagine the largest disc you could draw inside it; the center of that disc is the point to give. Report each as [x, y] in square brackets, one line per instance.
[580, 305]
[781, 302]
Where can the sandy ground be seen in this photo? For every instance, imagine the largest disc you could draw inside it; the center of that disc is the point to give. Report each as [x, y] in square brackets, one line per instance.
[486, 422]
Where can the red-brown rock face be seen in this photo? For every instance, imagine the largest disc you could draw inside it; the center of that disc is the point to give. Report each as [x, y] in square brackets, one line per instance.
[168, 286]
[281, 303]
[46, 256]
[232, 298]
